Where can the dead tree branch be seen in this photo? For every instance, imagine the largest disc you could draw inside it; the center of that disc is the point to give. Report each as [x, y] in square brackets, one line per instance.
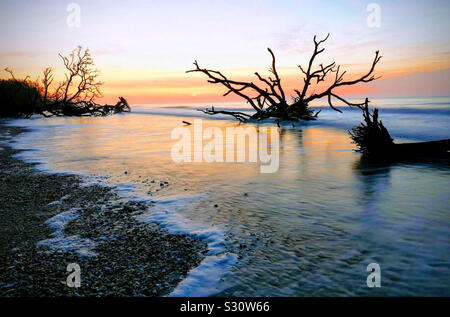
[269, 99]
[371, 136]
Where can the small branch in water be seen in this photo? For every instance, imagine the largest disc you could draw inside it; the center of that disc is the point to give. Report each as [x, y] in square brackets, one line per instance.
[238, 115]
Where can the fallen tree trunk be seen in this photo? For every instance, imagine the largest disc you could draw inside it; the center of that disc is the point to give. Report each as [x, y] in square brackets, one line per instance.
[84, 108]
[374, 141]
[439, 148]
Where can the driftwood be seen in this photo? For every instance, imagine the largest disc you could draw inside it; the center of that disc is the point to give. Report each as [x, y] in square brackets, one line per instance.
[371, 136]
[268, 98]
[84, 108]
[374, 141]
[432, 149]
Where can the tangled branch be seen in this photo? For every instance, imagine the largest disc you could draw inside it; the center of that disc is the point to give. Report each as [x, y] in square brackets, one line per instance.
[371, 136]
[269, 99]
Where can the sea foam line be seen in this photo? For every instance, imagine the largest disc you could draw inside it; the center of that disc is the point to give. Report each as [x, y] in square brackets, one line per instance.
[205, 279]
[60, 241]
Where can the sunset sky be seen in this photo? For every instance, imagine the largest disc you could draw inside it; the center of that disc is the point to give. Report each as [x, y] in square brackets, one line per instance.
[143, 48]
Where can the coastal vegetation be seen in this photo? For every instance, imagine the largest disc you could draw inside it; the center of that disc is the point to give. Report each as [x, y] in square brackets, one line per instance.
[73, 96]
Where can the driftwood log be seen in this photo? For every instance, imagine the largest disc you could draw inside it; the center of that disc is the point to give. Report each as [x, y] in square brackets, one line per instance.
[374, 141]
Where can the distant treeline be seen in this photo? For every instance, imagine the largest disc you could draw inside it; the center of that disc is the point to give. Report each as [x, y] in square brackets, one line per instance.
[74, 96]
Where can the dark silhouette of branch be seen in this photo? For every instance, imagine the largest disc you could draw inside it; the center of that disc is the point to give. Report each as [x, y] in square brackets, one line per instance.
[374, 141]
[371, 136]
[238, 115]
[74, 96]
[269, 100]
[339, 82]
[82, 75]
[272, 96]
[46, 82]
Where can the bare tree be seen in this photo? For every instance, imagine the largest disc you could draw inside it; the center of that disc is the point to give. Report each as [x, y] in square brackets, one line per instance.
[77, 93]
[46, 83]
[74, 96]
[268, 99]
[82, 75]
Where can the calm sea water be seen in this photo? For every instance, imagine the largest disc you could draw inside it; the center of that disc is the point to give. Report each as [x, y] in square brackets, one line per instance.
[311, 228]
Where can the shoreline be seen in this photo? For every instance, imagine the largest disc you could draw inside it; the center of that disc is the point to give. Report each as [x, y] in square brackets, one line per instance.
[120, 256]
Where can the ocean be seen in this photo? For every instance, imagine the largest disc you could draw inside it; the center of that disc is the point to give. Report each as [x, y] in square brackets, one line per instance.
[311, 228]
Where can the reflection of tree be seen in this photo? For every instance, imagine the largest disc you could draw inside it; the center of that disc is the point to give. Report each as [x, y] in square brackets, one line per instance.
[374, 177]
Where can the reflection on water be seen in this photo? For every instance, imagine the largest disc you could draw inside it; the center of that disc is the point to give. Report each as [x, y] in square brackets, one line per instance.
[311, 228]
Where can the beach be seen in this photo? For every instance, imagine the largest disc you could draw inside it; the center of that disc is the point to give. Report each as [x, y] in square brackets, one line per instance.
[311, 228]
[118, 256]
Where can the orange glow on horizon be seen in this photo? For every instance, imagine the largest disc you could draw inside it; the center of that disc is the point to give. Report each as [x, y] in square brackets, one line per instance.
[182, 88]
[147, 85]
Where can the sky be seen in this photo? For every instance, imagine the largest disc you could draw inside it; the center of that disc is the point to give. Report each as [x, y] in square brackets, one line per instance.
[143, 48]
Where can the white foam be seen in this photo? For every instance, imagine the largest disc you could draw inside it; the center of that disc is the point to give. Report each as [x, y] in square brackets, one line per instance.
[73, 243]
[204, 280]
